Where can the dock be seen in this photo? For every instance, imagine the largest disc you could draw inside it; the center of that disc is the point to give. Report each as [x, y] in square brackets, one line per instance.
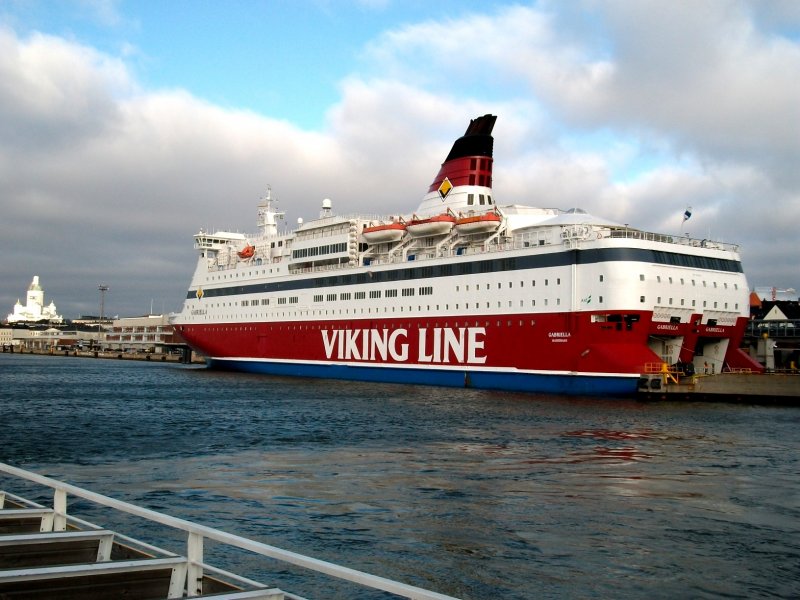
[46, 553]
[745, 387]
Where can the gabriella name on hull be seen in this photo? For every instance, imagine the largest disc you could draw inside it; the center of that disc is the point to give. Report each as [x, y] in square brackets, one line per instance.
[465, 291]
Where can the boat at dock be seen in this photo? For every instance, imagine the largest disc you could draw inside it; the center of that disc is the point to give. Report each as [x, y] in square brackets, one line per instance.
[469, 291]
[46, 552]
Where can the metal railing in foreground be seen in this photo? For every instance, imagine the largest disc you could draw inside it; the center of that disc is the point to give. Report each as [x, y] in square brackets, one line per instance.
[197, 533]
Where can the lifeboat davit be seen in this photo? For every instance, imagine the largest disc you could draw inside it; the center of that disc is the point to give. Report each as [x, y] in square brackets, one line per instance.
[247, 252]
[484, 223]
[387, 232]
[436, 225]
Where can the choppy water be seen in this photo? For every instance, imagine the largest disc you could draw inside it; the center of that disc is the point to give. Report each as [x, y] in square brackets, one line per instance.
[469, 493]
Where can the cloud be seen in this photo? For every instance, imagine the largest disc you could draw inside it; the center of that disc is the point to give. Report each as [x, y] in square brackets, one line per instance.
[630, 111]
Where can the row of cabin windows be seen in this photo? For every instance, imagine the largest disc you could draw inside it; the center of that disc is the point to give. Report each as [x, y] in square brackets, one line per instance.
[265, 301]
[482, 199]
[316, 327]
[467, 305]
[694, 282]
[319, 250]
[642, 299]
[488, 286]
[423, 291]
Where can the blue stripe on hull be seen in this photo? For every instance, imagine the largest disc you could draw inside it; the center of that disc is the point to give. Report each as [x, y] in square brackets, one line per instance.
[490, 380]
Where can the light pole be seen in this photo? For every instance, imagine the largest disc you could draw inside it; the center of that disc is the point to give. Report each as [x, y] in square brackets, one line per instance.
[103, 289]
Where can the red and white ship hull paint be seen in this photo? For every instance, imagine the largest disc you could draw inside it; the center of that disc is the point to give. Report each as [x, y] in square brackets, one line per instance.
[547, 301]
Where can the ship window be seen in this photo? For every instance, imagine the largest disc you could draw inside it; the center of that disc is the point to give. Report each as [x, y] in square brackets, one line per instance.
[546, 302]
[658, 300]
[472, 179]
[693, 302]
[670, 279]
[715, 284]
[600, 299]
[658, 278]
[681, 280]
[473, 164]
[715, 304]
[682, 301]
[670, 300]
[736, 286]
[558, 281]
[694, 282]
[489, 199]
[601, 278]
[704, 303]
[470, 199]
[510, 284]
[641, 277]
[704, 284]
[546, 281]
[361, 295]
[481, 198]
[641, 298]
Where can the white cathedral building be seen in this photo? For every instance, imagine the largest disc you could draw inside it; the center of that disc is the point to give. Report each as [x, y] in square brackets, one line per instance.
[34, 309]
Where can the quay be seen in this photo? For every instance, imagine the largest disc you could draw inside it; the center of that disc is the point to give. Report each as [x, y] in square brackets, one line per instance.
[181, 353]
[46, 552]
[758, 388]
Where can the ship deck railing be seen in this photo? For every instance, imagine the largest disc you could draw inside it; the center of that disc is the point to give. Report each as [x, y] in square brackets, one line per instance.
[532, 238]
[46, 552]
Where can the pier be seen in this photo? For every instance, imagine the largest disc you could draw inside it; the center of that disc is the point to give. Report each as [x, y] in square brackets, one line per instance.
[763, 388]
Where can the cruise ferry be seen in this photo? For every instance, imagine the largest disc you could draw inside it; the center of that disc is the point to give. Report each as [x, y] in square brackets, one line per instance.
[466, 291]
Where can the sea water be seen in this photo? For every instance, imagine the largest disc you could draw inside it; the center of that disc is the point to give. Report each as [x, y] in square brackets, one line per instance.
[470, 493]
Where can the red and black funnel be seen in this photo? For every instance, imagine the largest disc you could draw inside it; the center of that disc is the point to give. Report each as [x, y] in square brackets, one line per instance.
[470, 159]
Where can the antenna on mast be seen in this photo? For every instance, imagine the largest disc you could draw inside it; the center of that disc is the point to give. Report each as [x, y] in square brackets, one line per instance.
[267, 216]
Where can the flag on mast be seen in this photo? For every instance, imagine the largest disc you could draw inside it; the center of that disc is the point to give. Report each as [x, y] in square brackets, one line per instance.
[687, 213]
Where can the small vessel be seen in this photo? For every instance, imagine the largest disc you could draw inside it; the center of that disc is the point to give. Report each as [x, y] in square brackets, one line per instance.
[384, 232]
[431, 226]
[247, 252]
[485, 223]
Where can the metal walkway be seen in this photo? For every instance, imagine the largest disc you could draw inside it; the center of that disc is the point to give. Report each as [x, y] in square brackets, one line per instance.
[46, 553]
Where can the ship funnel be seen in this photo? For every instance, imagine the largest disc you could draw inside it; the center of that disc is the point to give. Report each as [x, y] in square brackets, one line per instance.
[464, 181]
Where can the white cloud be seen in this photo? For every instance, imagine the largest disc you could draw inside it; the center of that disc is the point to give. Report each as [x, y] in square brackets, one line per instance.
[101, 180]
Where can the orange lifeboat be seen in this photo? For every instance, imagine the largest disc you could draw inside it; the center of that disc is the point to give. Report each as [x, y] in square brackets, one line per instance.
[436, 225]
[484, 223]
[387, 232]
[247, 252]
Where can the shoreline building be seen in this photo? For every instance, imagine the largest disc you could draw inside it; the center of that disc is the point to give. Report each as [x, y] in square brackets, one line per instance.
[34, 309]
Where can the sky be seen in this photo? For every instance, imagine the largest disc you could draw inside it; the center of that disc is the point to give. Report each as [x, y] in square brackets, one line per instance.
[127, 126]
